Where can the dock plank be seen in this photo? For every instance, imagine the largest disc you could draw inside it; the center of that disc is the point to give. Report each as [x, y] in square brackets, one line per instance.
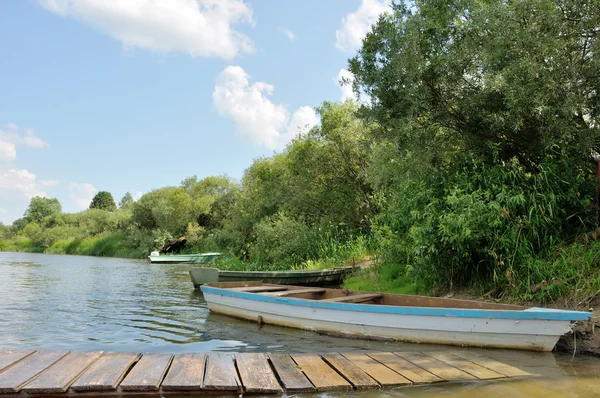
[107, 372]
[321, 375]
[355, 375]
[407, 369]
[476, 370]
[438, 368]
[9, 357]
[15, 377]
[60, 376]
[221, 373]
[256, 373]
[496, 366]
[148, 373]
[384, 375]
[186, 372]
[292, 378]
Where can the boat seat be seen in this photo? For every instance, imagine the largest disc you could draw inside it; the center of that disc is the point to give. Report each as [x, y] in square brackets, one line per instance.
[258, 289]
[354, 298]
[297, 291]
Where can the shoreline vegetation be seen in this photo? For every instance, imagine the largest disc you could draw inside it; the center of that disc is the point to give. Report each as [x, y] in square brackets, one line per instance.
[467, 164]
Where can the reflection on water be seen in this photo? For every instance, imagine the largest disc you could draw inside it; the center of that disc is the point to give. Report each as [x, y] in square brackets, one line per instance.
[90, 303]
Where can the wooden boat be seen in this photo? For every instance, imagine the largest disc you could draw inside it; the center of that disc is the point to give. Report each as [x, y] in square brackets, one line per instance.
[200, 258]
[393, 316]
[322, 277]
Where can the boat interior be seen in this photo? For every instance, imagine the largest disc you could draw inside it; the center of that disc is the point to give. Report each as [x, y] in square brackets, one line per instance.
[349, 296]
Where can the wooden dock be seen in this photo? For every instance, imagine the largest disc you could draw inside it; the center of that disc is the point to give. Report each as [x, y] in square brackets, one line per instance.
[61, 373]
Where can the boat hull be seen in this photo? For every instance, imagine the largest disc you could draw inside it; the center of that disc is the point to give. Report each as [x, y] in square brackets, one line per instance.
[183, 259]
[328, 277]
[524, 334]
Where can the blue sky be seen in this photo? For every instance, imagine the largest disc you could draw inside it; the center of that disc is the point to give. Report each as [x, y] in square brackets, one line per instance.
[133, 95]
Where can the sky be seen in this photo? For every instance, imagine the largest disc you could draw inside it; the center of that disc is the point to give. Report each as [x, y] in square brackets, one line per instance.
[134, 95]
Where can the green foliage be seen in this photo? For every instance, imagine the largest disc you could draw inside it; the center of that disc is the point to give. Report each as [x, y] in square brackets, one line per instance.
[104, 201]
[40, 208]
[493, 77]
[126, 201]
[5, 232]
[169, 209]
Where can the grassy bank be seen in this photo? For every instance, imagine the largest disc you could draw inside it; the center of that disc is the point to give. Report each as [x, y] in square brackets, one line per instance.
[105, 245]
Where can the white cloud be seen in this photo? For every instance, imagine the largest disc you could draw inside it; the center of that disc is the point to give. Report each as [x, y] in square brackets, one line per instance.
[49, 183]
[82, 194]
[355, 25]
[137, 196]
[344, 80]
[10, 137]
[201, 28]
[18, 184]
[8, 151]
[256, 117]
[288, 32]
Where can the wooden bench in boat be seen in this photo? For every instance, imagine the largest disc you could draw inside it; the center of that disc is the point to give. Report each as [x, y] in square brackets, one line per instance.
[259, 289]
[297, 291]
[354, 298]
[55, 374]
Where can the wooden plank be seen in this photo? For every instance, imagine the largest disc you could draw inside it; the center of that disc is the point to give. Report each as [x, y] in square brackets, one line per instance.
[107, 372]
[476, 370]
[221, 373]
[297, 291]
[321, 375]
[147, 374]
[384, 375]
[491, 364]
[63, 373]
[289, 374]
[258, 289]
[407, 369]
[356, 376]
[10, 357]
[354, 298]
[186, 372]
[256, 373]
[15, 377]
[438, 368]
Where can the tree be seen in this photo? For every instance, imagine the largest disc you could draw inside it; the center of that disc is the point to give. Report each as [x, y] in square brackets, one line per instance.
[40, 208]
[103, 200]
[169, 209]
[126, 201]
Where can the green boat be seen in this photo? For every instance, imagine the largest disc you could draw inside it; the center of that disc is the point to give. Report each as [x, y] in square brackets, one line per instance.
[321, 277]
[201, 258]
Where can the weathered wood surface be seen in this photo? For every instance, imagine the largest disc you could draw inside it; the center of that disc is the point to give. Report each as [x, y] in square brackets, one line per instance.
[354, 298]
[384, 375]
[476, 370]
[321, 375]
[107, 372]
[290, 375]
[51, 374]
[221, 373]
[148, 373]
[407, 369]
[256, 373]
[355, 375]
[9, 357]
[16, 376]
[293, 292]
[258, 289]
[60, 376]
[436, 367]
[186, 372]
[496, 366]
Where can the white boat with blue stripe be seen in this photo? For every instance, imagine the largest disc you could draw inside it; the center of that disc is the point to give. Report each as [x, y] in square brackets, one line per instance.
[416, 319]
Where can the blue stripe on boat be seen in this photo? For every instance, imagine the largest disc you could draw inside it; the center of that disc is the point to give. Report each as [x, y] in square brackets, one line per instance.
[530, 313]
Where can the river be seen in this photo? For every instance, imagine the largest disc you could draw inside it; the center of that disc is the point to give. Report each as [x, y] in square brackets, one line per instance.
[90, 303]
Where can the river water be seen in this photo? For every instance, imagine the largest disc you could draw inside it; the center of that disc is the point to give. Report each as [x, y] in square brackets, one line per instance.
[90, 303]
